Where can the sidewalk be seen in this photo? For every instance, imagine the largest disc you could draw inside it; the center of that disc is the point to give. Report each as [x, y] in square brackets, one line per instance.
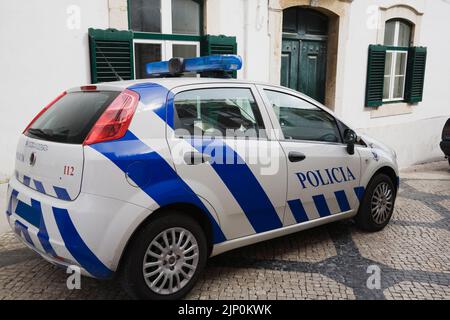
[428, 171]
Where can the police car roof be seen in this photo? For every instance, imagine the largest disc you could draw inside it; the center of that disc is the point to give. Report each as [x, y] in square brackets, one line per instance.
[171, 83]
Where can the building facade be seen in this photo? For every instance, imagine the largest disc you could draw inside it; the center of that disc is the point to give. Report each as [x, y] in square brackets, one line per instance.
[381, 65]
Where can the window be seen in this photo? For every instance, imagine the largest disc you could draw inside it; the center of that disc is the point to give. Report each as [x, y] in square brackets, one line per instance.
[167, 17]
[301, 120]
[397, 37]
[186, 17]
[163, 30]
[218, 112]
[146, 51]
[395, 67]
[124, 54]
[145, 15]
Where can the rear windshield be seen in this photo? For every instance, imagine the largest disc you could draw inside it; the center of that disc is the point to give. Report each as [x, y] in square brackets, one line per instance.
[71, 118]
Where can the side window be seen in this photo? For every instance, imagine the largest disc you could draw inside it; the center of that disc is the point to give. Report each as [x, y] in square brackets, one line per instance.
[218, 112]
[301, 120]
[397, 35]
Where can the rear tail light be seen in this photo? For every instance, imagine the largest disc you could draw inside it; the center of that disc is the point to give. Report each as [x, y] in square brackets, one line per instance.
[43, 110]
[114, 122]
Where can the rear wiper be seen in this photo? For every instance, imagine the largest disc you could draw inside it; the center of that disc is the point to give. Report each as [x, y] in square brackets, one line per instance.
[46, 133]
[38, 132]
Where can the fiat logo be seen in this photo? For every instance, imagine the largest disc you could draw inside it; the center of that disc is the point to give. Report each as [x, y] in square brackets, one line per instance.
[32, 159]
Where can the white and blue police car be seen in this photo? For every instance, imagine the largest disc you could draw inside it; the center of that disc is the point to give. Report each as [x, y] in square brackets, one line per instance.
[146, 179]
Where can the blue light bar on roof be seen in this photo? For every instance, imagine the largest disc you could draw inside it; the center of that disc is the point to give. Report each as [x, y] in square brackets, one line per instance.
[201, 64]
[157, 67]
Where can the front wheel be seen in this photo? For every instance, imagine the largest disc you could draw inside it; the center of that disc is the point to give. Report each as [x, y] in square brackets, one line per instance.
[377, 206]
[165, 258]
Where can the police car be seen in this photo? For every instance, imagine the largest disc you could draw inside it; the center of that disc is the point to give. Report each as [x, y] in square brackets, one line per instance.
[146, 179]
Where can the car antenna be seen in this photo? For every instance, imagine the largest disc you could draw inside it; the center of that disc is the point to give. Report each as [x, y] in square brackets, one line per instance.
[118, 77]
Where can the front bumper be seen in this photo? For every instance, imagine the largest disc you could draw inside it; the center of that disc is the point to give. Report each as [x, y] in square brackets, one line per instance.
[90, 232]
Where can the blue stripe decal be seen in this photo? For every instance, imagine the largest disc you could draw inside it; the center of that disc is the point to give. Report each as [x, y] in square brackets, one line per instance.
[22, 229]
[321, 205]
[342, 201]
[154, 95]
[33, 215]
[163, 184]
[43, 237]
[39, 186]
[62, 194]
[26, 181]
[298, 211]
[359, 191]
[242, 184]
[76, 246]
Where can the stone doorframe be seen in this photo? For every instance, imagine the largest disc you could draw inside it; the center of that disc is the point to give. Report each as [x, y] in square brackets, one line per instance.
[338, 13]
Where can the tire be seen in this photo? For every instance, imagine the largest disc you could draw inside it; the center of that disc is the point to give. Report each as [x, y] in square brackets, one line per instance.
[368, 218]
[169, 263]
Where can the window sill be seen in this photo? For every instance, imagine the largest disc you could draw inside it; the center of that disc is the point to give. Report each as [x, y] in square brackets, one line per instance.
[390, 109]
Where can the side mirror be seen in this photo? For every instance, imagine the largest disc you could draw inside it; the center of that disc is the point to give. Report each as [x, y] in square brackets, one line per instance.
[350, 138]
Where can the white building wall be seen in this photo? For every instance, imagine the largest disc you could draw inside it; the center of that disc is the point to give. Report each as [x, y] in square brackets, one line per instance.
[415, 132]
[45, 50]
[247, 20]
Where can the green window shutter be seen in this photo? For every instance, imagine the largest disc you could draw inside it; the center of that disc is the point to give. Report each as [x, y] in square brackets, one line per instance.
[375, 76]
[415, 74]
[212, 45]
[111, 53]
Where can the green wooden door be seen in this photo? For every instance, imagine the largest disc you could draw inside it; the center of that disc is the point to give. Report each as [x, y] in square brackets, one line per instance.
[312, 69]
[289, 63]
[304, 52]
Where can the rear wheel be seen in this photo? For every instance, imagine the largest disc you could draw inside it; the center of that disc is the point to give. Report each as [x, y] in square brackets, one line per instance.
[377, 206]
[165, 258]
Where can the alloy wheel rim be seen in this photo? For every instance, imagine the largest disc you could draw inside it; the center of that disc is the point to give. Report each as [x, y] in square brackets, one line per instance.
[170, 261]
[382, 203]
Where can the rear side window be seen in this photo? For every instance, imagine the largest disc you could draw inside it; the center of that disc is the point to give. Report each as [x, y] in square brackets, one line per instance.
[301, 120]
[72, 117]
[218, 112]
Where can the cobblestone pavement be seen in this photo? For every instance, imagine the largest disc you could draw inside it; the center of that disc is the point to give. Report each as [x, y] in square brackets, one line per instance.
[329, 262]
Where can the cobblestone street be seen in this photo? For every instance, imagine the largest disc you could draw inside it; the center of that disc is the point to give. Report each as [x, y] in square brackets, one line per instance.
[329, 262]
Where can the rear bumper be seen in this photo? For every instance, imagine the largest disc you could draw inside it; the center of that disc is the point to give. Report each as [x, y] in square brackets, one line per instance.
[445, 146]
[90, 232]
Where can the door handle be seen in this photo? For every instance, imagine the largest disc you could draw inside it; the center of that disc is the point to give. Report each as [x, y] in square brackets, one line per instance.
[195, 158]
[296, 156]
